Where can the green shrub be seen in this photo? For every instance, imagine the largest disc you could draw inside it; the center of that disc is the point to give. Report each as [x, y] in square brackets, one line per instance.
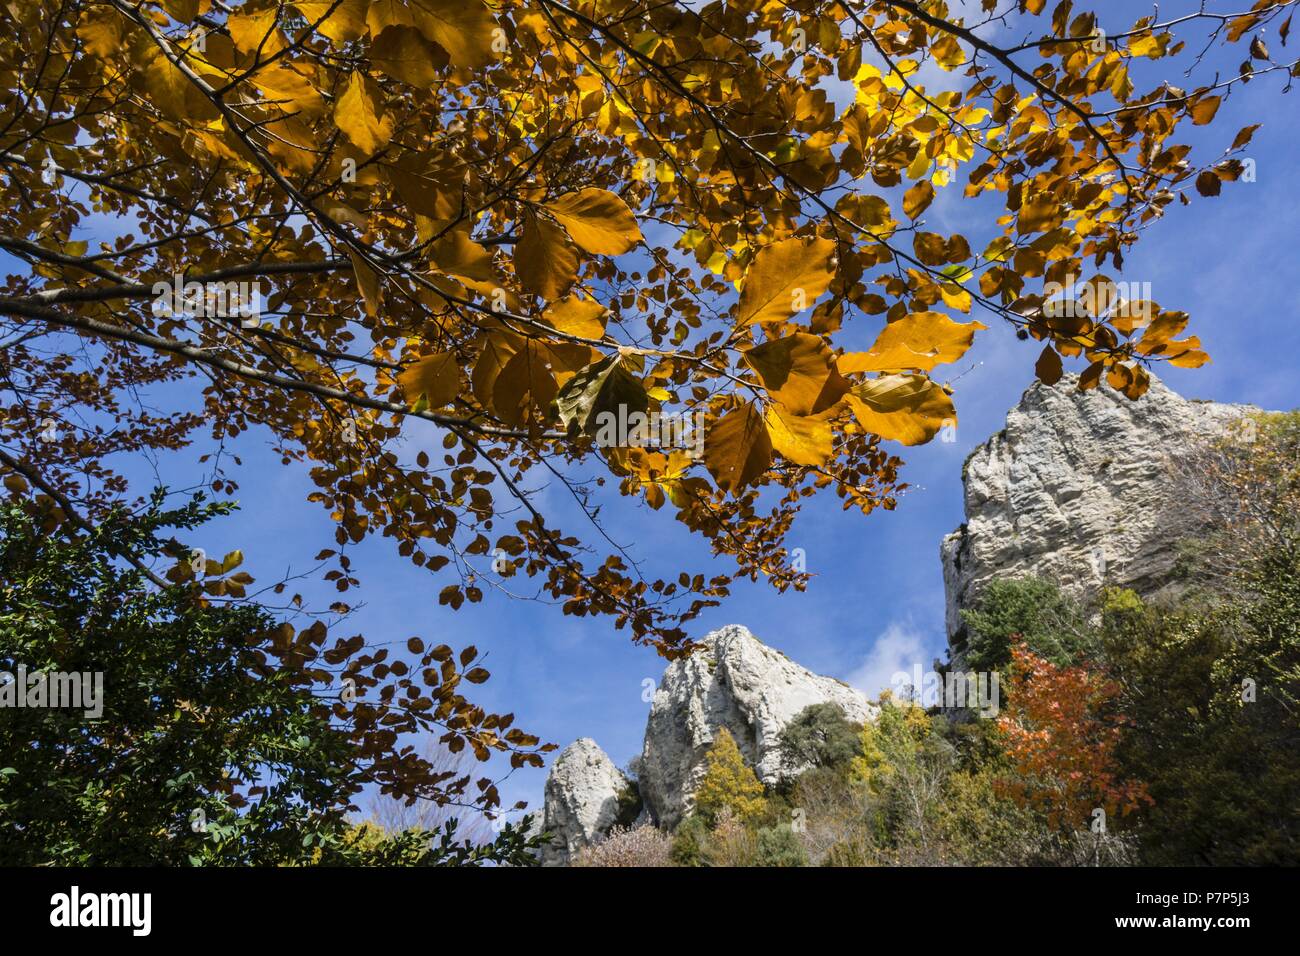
[780, 846]
[689, 841]
[820, 736]
[1051, 625]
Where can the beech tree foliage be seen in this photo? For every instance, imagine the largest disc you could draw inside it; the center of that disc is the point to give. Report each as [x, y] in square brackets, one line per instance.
[481, 226]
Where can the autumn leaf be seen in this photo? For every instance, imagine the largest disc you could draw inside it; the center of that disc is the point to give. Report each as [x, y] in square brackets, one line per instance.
[1208, 183]
[404, 54]
[360, 115]
[173, 92]
[1048, 367]
[182, 11]
[919, 340]
[367, 283]
[916, 199]
[289, 90]
[436, 377]
[737, 449]
[605, 388]
[1203, 109]
[457, 254]
[524, 381]
[346, 19]
[799, 371]
[101, 31]
[1039, 214]
[545, 261]
[497, 349]
[597, 220]
[426, 186]
[906, 408]
[803, 439]
[1165, 326]
[785, 278]
[257, 32]
[574, 315]
[464, 28]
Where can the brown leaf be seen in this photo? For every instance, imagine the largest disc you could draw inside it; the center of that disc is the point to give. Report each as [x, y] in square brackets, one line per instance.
[545, 261]
[916, 199]
[737, 449]
[1048, 368]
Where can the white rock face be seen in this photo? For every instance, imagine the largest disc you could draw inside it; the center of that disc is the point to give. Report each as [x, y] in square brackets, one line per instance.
[1076, 489]
[736, 682]
[582, 792]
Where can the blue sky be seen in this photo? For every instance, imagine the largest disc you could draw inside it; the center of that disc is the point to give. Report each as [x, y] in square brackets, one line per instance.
[876, 602]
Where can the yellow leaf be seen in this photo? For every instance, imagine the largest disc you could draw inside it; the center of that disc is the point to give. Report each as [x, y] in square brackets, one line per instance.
[955, 297]
[457, 254]
[799, 372]
[182, 11]
[1204, 109]
[101, 31]
[404, 54]
[1039, 214]
[428, 185]
[257, 32]
[289, 90]
[948, 52]
[573, 315]
[737, 449]
[906, 408]
[920, 340]
[498, 349]
[1159, 332]
[437, 377]
[346, 20]
[526, 375]
[382, 14]
[597, 220]
[802, 439]
[1191, 358]
[173, 92]
[545, 261]
[916, 199]
[360, 115]
[464, 28]
[368, 283]
[785, 278]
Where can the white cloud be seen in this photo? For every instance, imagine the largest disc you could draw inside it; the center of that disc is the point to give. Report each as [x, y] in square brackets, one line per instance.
[900, 647]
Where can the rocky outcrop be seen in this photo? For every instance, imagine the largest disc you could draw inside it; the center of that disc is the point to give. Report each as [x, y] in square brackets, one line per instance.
[733, 681]
[1076, 489]
[737, 682]
[585, 796]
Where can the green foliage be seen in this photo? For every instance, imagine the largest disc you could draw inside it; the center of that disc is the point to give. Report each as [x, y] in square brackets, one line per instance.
[1223, 770]
[209, 749]
[629, 806]
[689, 841]
[779, 846]
[1051, 625]
[820, 736]
[728, 783]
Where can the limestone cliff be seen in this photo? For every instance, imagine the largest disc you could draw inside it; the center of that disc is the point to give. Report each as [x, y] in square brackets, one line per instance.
[734, 682]
[1076, 489]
